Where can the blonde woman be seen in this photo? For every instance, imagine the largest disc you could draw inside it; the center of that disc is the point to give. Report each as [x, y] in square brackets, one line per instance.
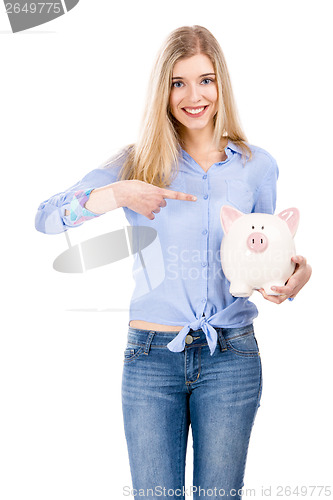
[191, 356]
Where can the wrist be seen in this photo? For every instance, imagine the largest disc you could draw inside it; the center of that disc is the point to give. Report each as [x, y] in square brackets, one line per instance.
[120, 191]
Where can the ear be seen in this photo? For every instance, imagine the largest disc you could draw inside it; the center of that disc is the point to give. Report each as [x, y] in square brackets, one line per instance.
[291, 217]
[228, 216]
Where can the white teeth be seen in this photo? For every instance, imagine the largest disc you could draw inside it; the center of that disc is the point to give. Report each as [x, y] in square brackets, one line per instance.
[194, 111]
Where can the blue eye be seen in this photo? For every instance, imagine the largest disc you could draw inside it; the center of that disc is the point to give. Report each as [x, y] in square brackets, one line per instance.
[207, 80]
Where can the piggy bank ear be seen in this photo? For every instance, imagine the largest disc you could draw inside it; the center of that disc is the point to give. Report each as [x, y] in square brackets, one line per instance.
[291, 217]
[228, 217]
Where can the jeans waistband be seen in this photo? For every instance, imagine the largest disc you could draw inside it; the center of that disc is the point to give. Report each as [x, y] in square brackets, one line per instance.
[161, 338]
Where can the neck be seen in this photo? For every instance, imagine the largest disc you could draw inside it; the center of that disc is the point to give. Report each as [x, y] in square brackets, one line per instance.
[200, 141]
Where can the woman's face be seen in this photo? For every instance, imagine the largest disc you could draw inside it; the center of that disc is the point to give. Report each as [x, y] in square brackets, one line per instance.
[193, 96]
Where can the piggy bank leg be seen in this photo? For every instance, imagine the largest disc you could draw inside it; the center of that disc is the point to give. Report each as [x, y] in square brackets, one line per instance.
[269, 291]
[240, 289]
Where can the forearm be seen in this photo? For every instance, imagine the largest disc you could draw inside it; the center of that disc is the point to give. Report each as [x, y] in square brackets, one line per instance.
[107, 198]
[67, 209]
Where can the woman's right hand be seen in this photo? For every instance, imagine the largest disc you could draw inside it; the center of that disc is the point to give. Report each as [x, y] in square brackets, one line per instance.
[145, 198]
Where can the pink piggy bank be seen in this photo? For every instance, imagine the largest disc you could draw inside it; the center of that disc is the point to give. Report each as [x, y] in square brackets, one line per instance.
[256, 249]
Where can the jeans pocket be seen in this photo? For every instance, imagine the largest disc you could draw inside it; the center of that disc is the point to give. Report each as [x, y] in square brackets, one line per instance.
[244, 345]
[131, 352]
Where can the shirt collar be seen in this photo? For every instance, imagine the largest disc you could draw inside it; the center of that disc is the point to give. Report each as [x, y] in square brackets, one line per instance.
[231, 145]
[234, 147]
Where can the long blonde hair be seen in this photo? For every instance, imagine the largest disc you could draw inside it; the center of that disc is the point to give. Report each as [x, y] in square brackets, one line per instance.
[152, 157]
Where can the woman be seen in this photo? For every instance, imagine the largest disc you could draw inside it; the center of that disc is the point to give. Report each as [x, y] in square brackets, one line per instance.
[191, 353]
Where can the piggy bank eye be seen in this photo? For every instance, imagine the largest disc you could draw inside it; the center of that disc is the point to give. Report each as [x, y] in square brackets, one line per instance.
[252, 227]
[262, 227]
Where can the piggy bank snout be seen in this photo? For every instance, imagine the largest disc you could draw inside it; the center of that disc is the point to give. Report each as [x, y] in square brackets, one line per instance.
[257, 242]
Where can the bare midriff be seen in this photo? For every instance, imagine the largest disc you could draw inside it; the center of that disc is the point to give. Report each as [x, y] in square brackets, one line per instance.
[145, 325]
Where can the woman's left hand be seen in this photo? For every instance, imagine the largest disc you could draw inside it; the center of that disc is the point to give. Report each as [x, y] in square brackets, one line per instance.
[296, 281]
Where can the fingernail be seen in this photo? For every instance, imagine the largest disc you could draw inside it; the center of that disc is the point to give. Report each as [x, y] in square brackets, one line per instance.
[273, 287]
[194, 197]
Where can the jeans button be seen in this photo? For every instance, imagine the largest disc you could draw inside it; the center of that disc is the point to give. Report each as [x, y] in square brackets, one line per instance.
[188, 339]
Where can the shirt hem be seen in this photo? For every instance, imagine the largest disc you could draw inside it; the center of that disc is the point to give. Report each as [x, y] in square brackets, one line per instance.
[182, 323]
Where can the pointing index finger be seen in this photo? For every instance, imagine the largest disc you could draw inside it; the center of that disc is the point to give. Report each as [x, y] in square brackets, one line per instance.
[177, 195]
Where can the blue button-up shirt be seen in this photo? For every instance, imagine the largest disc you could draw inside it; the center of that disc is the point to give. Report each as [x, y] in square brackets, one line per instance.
[179, 279]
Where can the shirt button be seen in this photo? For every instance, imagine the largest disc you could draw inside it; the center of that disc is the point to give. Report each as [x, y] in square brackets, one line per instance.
[206, 196]
[188, 339]
[204, 231]
[203, 300]
[204, 264]
[204, 176]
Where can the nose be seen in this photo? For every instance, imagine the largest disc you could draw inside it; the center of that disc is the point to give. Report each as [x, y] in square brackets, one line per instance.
[257, 242]
[194, 93]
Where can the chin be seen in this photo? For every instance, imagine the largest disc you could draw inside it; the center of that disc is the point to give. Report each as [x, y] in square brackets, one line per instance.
[196, 126]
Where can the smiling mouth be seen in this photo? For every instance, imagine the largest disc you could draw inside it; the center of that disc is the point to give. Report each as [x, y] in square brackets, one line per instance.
[195, 112]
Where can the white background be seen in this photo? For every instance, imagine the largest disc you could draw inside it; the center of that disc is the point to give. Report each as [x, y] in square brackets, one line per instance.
[72, 93]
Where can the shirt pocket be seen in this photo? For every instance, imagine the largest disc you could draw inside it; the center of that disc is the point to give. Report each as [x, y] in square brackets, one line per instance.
[239, 195]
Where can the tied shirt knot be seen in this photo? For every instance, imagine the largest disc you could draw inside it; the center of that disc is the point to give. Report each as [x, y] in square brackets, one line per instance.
[178, 343]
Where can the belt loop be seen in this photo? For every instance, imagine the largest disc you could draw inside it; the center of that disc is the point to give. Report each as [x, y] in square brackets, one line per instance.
[222, 341]
[149, 340]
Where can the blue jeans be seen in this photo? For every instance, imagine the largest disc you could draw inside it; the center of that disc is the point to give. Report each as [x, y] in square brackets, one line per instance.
[163, 392]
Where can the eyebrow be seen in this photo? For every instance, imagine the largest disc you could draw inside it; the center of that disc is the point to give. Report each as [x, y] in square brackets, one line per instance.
[181, 78]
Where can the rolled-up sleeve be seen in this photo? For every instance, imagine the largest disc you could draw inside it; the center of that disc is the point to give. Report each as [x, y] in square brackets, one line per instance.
[50, 217]
[78, 213]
